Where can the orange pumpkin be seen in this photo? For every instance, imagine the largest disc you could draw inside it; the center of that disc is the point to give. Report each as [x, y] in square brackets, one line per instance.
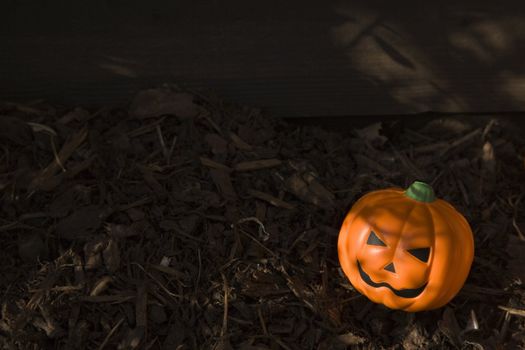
[406, 249]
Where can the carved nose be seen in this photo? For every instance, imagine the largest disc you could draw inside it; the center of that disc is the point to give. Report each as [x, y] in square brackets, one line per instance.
[390, 267]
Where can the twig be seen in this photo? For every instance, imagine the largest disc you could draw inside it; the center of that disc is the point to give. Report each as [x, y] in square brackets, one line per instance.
[472, 323]
[409, 165]
[9, 226]
[213, 124]
[101, 285]
[262, 230]
[257, 164]
[459, 141]
[172, 147]
[487, 128]
[167, 153]
[65, 153]
[239, 142]
[113, 299]
[200, 269]
[137, 203]
[36, 127]
[173, 295]
[162, 143]
[514, 223]
[513, 311]
[276, 202]
[504, 326]
[110, 333]
[224, 328]
[55, 153]
[261, 319]
[213, 164]
[187, 235]
[23, 107]
[150, 345]
[145, 129]
[281, 344]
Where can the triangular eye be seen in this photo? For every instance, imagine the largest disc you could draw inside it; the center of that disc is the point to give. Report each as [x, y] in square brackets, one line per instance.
[420, 253]
[374, 240]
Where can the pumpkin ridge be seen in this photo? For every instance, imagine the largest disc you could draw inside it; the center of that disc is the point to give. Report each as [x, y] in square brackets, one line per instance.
[430, 263]
[433, 226]
[404, 223]
[360, 204]
[444, 292]
[410, 301]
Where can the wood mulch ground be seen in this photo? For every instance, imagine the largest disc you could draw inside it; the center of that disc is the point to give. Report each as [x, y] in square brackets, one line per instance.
[184, 222]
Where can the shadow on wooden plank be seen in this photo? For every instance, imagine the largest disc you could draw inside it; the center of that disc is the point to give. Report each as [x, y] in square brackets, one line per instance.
[293, 58]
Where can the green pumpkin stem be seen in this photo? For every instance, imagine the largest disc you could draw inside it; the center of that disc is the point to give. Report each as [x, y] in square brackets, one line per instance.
[420, 191]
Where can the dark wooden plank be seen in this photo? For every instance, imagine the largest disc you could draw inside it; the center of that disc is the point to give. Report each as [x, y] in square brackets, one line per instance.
[292, 58]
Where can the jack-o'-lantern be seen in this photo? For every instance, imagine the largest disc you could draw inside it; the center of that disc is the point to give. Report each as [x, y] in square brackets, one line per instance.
[406, 249]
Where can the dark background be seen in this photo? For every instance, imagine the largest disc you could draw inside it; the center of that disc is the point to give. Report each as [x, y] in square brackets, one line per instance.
[293, 58]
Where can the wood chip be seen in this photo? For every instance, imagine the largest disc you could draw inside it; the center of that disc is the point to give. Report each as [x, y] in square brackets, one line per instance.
[151, 247]
[214, 165]
[460, 141]
[513, 311]
[310, 190]
[217, 143]
[141, 306]
[114, 299]
[367, 162]
[101, 285]
[271, 199]
[257, 164]
[81, 223]
[157, 102]
[239, 143]
[450, 327]
[111, 256]
[57, 164]
[224, 184]
[168, 270]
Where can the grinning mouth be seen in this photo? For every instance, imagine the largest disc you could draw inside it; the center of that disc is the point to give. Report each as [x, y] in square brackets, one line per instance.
[403, 293]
